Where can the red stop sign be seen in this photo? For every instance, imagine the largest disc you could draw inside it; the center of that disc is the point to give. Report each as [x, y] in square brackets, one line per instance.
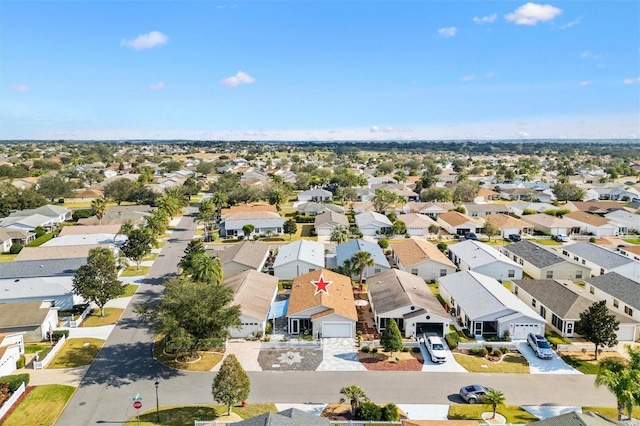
[137, 405]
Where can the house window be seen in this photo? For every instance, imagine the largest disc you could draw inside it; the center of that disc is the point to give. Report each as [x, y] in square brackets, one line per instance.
[511, 273]
[578, 274]
[543, 311]
[616, 303]
[443, 272]
[557, 322]
[628, 311]
[549, 274]
[564, 252]
[584, 262]
[592, 290]
[534, 302]
[601, 271]
[414, 271]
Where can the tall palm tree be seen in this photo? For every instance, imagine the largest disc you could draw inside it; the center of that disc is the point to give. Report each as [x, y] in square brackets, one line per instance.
[622, 380]
[354, 395]
[339, 235]
[494, 398]
[99, 208]
[206, 269]
[158, 222]
[362, 260]
[125, 228]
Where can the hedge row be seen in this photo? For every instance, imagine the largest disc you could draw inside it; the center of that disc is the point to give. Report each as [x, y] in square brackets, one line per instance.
[15, 381]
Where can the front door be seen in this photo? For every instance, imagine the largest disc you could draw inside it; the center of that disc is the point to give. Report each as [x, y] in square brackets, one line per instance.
[569, 329]
[477, 328]
[295, 326]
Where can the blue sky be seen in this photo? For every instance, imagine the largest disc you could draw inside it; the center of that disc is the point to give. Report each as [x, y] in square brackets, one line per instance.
[319, 70]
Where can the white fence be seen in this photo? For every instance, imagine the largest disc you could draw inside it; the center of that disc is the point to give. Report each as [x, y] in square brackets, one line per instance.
[39, 365]
[76, 323]
[12, 400]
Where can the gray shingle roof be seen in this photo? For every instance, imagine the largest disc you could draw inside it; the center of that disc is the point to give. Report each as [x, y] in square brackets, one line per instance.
[622, 288]
[21, 314]
[41, 268]
[578, 419]
[556, 297]
[249, 253]
[598, 255]
[289, 417]
[534, 254]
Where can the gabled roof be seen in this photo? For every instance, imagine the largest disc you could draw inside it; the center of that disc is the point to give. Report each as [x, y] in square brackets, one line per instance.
[535, 254]
[289, 417]
[547, 221]
[506, 221]
[599, 255]
[455, 218]
[303, 250]
[395, 289]
[248, 208]
[41, 268]
[253, 291]
[347, 250]
[372, 218]
[622, 288]
[412, 251]
[590, 219]
[252, 215]
[90, 229]
[416, 220]
[317, 192]
[339, 295]
[578, 419]
[331, 218]
[556, 297]
[21, 314]
[496, 208]
[475, 254]
[429, 207]
[48, 210]
[249, 253]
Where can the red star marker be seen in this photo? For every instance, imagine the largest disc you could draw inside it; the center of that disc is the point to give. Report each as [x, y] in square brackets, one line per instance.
[321, 285]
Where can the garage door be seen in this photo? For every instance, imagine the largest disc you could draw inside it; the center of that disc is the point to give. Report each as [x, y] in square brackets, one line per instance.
[520, 331]
[429, 328]
[626, 333]
[336, 329]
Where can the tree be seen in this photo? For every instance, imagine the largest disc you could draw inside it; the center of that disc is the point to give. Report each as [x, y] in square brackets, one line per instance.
[231, 385]
[391, 339]
[119, 190]
[194, 247]
[138, 245]
[126, 228]
[435, 194]
[383, 200]
[355, 396]
[494, 398]
[290, 227]
[490, 229]
[248, 230]
[97, 280]
[53, 187]
[206, 269]
[99, 208]
[157, 222]
[399, 227]
[567, 192]
[339, 235]
[466, 191]
[598, 326]
[622, 378]
[362, 260]
[193, 316]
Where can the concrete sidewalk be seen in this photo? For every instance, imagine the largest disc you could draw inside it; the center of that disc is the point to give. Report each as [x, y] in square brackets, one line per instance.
[55, 376]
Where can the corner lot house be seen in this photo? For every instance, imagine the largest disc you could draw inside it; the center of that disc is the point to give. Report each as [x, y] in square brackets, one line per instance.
[32, 319]
[322, 304]
[621, 293]
[423, 259]
[346, 251]
[482, 258]
[11, 349]
[409, 301]
[560, 305]
[601, 260]
[540, 263]
[298, 258]
[254, 292]
[486, 307]
[243, 257]
[372, 223]
[592, 224]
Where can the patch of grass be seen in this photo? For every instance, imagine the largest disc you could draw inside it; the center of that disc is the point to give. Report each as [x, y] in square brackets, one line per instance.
[111, 316]
[556, 339]
[41, 240]
[130, 290]
[513, 413]
[42, 406]
[76, 352]
[583, 366]
[7, 257]
[462, 338]
[507, 285]
[32, 348]
[305, 230]
[150, 256]
[611, 412]
[632, 240]
[174, 415]
[434, 288]
[132, 271]
[511, 363]
[207, 361]
[546, 242]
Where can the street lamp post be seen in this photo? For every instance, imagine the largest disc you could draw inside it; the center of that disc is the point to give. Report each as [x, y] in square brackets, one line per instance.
[157, 404]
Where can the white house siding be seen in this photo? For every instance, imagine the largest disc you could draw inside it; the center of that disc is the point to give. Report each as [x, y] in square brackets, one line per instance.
[409, 324]
[8, 360]
[601, 295]
[563, 271]
[291, 270]
[6, 246]
[548, 313]
[499, 271]
[429, 270]
[598, 231]
[249, 325]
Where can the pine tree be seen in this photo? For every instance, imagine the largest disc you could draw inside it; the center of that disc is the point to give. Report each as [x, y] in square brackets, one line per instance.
[391, 339]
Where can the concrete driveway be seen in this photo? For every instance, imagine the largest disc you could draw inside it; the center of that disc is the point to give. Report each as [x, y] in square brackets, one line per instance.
[554, 365]
[340, 354]
[246, 351]
[451, 366]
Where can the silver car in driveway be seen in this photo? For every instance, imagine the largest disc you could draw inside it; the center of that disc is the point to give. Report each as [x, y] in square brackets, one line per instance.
[540, 346]
[473, 393]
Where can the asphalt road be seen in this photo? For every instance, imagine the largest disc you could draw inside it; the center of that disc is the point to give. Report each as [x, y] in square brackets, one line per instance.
[125, 368]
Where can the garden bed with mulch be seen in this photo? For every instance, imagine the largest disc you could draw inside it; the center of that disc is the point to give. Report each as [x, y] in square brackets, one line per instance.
[293, 359]
[383, 361]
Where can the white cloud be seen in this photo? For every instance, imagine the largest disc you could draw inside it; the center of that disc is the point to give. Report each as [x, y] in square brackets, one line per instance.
[485, 19]
[468, 77]
[374, 129]
[588, 55]
[490, 74]
[159, 85]
[388, 129]
[631, 80]
[447, 32]
[586, 83]
[20, 87]
[241, 77]
[571, 23]
[146, 41]
[532, 13]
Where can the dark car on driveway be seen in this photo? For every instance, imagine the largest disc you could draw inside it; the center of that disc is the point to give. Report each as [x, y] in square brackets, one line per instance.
[514, 238]
[474, 393]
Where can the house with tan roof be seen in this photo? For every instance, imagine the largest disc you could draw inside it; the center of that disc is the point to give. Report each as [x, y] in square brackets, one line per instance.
[456, 223]
[254, 292]
[326, 222]
[33, 318]
[25, 182]
[486, 195]
[482, 210]
[431, 209]
[54, 252]
[407, 299]
[632, 252]
[418, 225]
[421, 258]
[548, 224]
[248, 208]
[243, 257]
[592, 224]
[5, 241]
[322, 304]
[509, 225]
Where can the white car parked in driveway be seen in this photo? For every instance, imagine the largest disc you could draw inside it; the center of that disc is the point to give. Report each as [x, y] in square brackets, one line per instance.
[436, 350]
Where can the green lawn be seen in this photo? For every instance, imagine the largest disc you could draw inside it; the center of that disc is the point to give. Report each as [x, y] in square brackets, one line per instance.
[206, 362]
[150, 256]
[512, 413]
[130, 290]
[42, 406]
[556, 339]
[632, 240]
[111, 316]
[7, 257]
[77, 352]
[611, 412]
[133, 271]
[185, 415]
[511, 363]
[582, 366]
[546, 242]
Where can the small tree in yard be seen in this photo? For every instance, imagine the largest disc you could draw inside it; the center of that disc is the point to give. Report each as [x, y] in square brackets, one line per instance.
[248, 230]
[97, 280]
[355, 396]
[491, 229]
[598, 326]
[391, 339]
[494, 398]
[138, 245]
[231, 385]
[290, 227]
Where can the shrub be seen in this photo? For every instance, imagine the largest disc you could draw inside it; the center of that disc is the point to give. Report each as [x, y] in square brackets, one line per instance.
[268, 328]
[504, 350]
[80, 214]
[374, 350]
[20, 362]
[506, 336]
[267, 338]
[383, 243]
[415, 349]
[40, 231]
[369, 411]
[483, 352]
[15, 381]
[57, 334]
[390, 413]
[452, 340]
[497, 353]
[442, 247]
[593, 239]
[489, 348]
[15, 248]
[365, 349]
[405, 349]
[474, 351]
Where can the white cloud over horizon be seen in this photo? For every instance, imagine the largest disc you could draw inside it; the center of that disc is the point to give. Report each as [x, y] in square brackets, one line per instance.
[532, 13]
[631, 80]
[485, 19]
[23, 88]
[241, 77]
[146, 41]
[447, 32]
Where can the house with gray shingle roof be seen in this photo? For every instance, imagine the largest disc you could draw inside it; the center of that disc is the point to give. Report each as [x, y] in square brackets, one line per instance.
[372, 223]
[575, 418]
[561, 303]
[480, 257]
[254, 292]
[34, 319]
[601, 260]
[347, 250]
[243, 257]
[41, 268]
[289, 417]
[621, 293]
[408, 300]
[539, 263]
[326, 222]
[298, 258]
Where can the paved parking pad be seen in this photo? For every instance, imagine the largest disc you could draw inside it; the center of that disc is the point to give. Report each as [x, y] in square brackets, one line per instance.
[555, 365]
[451, 366]
[340, 354]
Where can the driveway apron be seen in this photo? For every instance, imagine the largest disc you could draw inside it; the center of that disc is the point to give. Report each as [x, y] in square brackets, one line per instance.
[555, 365]
[451, 366]
[340, 354]
[245, 351]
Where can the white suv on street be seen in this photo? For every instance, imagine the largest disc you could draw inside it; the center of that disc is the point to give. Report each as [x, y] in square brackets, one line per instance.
[436, 350]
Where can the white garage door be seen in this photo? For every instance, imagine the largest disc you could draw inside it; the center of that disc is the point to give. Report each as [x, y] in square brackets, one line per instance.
[336, 329]
[520, 331]
[626, 333]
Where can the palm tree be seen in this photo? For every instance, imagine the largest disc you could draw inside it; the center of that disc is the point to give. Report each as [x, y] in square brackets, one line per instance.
[339, 235]
[354, 395]
[206, 269]
[494, 398]
[99, 208]
[125, 228]
[623, 380]
[362, 260]
[158, 222]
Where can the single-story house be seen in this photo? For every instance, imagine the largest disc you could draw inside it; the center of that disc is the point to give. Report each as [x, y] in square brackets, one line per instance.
[480, 257]
[243, 257]
[632, 252]
[48, 217]
[133, 212]
[540, 263]
[486, 195]
[408, 300]
[418, 224]
[486, 307]
[576, 418]
[248, 208]
[34, 319]
[548, 224]
[621, 293]
[288, 417]
[5, 241]
[11, 349]
[431, 209]
[263, 221]
[601, 260]
[592, 224]
[322, 304]
[561, 304]
[626, 221]
[318, 195]
[519, 209]
[422, 258]
[372, 223]
[509, 225]
[313, 208]
[18, 236]
[254, 292]
[346, 251]
[298, 258]
[326, 222]
[482, 210]
[456, 223]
